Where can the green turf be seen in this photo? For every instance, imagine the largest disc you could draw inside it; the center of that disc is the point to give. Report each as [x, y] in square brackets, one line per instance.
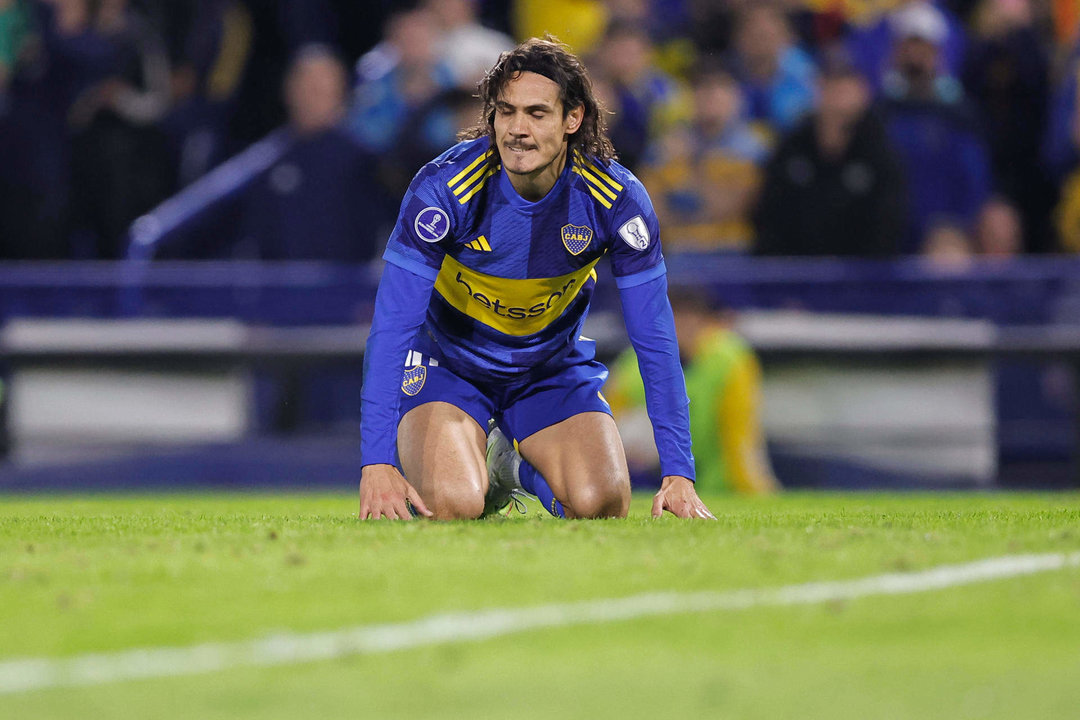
[82, 575]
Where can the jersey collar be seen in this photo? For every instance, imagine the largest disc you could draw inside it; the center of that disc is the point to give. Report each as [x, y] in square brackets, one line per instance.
[526, 206]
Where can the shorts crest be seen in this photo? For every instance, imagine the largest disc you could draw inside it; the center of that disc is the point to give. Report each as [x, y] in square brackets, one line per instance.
[413, 381]
[576, 238]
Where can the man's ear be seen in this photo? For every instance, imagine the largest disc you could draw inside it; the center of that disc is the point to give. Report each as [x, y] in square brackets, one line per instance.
[574, 118]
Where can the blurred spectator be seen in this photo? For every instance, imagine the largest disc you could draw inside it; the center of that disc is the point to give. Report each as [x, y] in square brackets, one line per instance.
[856, 13]
[934, 130]
[210, 65]
[1064, 17]
[578, 23]
[95, 127]
[666, 20]
[1063, 156]
[398, 75]
[668, 24]
[703, 176]
[874, 46]
[777, 77]
[425, 133]
[467, 50]
[645, 101]
[1006, 75]
[308, 22]
[835, 185]
[465, 46]
[723, 380]
[19, 203]
[711, 26]
[1000, 231]
[119, 162]
[306, 192]
[64, 59]
[1067, 215]
[1061, 153]
[948, 248]
[819, 23]
[14, 25]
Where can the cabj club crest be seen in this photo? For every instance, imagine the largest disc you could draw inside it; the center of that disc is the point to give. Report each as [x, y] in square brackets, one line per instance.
[413, 380]
[576, 238]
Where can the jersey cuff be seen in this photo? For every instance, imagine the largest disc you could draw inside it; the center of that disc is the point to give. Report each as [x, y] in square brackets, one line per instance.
[406, 263]
[640, 278]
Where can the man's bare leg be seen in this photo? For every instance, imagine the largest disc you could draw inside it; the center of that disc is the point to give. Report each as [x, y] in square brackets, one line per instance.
[442, 453]
[582, 460]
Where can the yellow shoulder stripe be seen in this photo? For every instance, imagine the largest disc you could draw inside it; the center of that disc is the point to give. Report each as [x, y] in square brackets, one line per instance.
[591, 174]
[596, 169]
[603, 188]
[479, 186]
[592, 189]
[469, 168]
[470, 180]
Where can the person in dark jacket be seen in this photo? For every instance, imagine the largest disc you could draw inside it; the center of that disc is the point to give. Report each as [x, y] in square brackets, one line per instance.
[935, 131]
[834, 185]
[1006, 75]
[307, 191]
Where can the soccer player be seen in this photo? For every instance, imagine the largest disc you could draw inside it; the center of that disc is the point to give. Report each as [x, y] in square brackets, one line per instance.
[489, 275]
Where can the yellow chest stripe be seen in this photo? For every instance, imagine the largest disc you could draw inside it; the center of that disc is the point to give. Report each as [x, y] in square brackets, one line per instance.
[511, 306]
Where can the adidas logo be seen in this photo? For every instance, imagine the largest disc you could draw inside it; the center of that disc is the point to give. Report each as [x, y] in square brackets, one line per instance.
[481, 244]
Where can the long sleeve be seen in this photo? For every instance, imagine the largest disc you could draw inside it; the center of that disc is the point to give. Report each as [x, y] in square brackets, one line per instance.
[651, 327]
[400, 307]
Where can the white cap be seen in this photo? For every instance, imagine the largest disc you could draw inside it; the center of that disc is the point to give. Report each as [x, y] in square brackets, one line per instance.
[920, 20]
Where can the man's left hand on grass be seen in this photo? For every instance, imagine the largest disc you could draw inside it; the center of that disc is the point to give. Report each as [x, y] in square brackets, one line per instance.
[678, 496]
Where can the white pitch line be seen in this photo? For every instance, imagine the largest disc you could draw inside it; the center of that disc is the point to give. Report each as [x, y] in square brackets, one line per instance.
[24, 675]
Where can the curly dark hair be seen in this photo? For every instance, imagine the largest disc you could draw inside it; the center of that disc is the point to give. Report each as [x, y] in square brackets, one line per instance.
[553, 60]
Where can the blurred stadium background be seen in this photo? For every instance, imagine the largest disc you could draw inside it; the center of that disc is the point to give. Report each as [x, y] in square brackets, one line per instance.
[194, 196]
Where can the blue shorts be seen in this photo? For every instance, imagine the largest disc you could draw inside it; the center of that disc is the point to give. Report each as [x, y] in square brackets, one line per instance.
[520, 408]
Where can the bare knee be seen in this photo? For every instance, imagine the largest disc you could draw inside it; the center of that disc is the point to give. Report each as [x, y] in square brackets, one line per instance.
[442, 454]
[464, 501]
[609, 498]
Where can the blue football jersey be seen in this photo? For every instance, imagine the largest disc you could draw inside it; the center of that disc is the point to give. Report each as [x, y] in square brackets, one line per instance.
[513, 278]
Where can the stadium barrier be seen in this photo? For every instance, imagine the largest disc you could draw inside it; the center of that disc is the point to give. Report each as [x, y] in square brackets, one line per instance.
[934, 345]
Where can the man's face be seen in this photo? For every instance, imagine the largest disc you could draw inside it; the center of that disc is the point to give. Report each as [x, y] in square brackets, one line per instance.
[844, 98]
[530, 130]
[414, 36]
[762, 35]
[917, 59]
[315, 94]
[716, 101]
[626, 58]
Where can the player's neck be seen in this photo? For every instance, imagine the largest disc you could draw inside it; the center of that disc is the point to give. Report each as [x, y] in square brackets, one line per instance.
[535, 185]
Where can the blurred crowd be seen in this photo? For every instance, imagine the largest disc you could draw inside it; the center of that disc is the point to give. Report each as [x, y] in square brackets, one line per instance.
[290, 128]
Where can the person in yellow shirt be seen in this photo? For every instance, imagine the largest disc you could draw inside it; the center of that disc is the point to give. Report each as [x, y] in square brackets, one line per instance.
[704, 175]
[723, 381]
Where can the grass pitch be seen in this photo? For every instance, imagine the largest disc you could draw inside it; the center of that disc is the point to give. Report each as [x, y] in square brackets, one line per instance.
[104, 574]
